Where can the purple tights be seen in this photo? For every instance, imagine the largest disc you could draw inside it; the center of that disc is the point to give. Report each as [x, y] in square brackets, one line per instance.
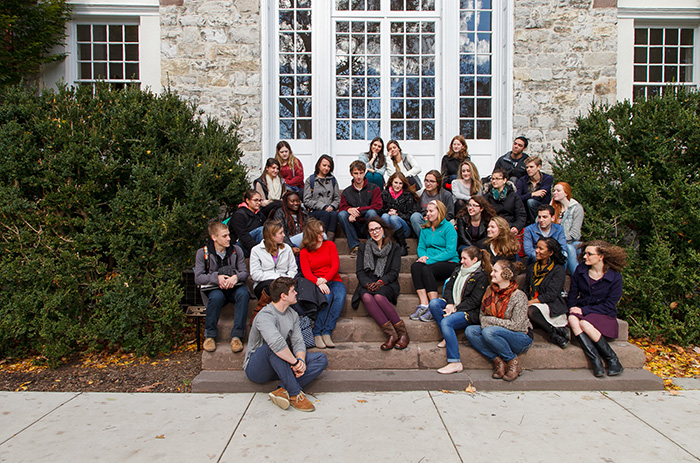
[380, 309]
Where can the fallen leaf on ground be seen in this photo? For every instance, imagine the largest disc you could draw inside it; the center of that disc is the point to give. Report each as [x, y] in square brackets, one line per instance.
[162, 436]
[445, 391]
[470, 389]
[361, 401]
[148, 388]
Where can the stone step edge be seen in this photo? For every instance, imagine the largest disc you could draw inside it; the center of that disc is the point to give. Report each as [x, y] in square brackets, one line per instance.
[638, 380]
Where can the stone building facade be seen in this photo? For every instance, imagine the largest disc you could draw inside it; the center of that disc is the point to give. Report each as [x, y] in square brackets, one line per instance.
[555, 58]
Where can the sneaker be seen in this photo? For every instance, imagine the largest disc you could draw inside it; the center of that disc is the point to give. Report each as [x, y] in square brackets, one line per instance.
[353, 251]
[301, 403]
[426, 317]
[420, 310]
[280, 397]
[209, 345]
[236, 345]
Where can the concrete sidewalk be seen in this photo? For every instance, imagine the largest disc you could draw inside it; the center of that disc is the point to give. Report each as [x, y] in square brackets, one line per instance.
[352, 427]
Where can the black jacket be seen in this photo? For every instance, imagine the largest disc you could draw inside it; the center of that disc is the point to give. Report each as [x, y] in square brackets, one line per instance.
[405, 204]
[472, 293]
[464, 237]
[390, 290]
[550, 289]
[510, 208]
[515, 168]
[242, 222]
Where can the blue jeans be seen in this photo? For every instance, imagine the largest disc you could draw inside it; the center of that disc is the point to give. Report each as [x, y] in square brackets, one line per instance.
[327, 318]
[495, 341]
[396, 223]
[350, 228]
[449, 324]
[417, 221]
[572, 252]
[531, 206]
[376, 178]
[264, 365]
[217, 299]
[329, 219]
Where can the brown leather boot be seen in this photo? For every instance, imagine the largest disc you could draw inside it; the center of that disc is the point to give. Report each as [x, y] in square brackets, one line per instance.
[514, 370]
[403, 341]
[499, 368]
[390, 333]
[262, 302]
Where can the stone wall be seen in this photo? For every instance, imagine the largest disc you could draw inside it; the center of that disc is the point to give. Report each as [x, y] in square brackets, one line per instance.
[565, 57]
[211, 55]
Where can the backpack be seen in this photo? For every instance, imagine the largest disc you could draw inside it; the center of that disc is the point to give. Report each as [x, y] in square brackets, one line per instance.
[312, 180]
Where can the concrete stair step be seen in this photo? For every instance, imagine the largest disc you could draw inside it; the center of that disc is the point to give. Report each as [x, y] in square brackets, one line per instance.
[348, 263]
[426, 355]
[342, 244]
[636, 379]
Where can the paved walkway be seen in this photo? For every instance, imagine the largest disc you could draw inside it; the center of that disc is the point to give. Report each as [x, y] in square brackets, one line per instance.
[352, 427]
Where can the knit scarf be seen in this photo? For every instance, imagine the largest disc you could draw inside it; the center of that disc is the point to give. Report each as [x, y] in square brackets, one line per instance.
[495, 301]
[499, 196]
[462, 277]
[372, 251]
[395, 194]
[274, 187]
[540, 271]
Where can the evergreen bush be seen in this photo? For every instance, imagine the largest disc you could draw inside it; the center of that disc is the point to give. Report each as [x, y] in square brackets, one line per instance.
[635, 168]
[104, 196]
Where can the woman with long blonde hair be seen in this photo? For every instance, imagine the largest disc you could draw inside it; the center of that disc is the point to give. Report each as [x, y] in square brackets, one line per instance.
[466, 185]
[501, 243]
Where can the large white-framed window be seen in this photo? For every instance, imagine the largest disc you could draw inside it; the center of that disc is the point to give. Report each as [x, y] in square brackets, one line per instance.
[117, 42]
[340, 72]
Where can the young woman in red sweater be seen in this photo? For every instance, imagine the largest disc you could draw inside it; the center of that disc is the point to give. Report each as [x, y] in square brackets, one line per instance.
[319, 264]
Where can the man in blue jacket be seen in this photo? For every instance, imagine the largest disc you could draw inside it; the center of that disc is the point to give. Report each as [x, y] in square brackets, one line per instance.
[544, 227]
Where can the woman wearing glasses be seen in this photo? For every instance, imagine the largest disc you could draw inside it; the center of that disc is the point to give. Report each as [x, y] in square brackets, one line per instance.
[596, 288]
[377, 269]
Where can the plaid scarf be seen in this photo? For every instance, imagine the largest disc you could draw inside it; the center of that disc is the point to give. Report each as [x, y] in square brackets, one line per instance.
[495, 299]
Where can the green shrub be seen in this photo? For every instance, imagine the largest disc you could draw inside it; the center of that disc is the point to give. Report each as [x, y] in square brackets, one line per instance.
[635, 169]
[103, 200]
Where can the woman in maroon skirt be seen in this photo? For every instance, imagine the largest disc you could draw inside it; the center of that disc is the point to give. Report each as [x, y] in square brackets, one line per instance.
[596, 288]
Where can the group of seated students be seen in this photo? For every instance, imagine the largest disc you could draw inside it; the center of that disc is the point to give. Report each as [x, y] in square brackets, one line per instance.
[474, 234]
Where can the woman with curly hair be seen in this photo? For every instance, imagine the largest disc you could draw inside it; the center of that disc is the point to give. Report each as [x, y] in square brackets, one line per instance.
[501, 243]
[467, 184]
[293, 218]
[596, 288]
[375, 161]
[544, 284]
[472, 222]
[504, 331]
[377, 269]
[449, 167]
[291, 169]
[399, 201]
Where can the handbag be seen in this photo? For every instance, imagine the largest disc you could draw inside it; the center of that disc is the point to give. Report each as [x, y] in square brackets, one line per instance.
[306, 332]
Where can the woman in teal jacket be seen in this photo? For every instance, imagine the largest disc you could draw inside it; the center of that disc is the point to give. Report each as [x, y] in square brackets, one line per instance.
[437, 257]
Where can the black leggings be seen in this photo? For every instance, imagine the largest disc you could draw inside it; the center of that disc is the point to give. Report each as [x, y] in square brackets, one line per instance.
[425, 276]
[538, 320]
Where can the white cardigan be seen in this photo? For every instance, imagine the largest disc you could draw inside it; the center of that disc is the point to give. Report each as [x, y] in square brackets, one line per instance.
[263, 267]
[406, 159]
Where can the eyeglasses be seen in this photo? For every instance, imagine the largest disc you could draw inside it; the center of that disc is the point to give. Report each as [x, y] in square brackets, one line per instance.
[497, 178]
[375, 230]
[586, 253]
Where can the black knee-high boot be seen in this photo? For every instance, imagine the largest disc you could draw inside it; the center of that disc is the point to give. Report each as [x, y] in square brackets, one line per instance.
[592, 353]
[558, 336]
[614, 365]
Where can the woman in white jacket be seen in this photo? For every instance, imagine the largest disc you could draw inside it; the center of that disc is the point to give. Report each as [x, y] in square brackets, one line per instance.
[404, 163]
[269, 260]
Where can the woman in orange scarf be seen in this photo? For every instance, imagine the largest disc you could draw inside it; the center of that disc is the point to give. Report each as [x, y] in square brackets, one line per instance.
[505, 330]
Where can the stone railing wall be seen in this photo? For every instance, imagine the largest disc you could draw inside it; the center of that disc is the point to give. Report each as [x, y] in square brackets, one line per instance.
[211, 55]
[565, 57]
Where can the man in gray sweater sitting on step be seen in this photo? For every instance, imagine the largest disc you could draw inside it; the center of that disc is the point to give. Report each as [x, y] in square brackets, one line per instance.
[276, 349]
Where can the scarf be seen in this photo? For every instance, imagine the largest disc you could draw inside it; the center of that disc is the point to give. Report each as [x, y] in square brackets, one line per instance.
[495, 301]
[395, 194]
[373, 252]
[462, 277]
[274, 187]
[539, 271]
[499, 196]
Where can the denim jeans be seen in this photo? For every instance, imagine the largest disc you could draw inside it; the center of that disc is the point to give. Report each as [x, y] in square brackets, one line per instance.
[531, 206]
[350, 228]
[397, 222]
[572, 252]
[327, 318]
[329, 219]
[217, 299]
[449, 324]
[417, 221]
[495, 341]
[264, 365]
